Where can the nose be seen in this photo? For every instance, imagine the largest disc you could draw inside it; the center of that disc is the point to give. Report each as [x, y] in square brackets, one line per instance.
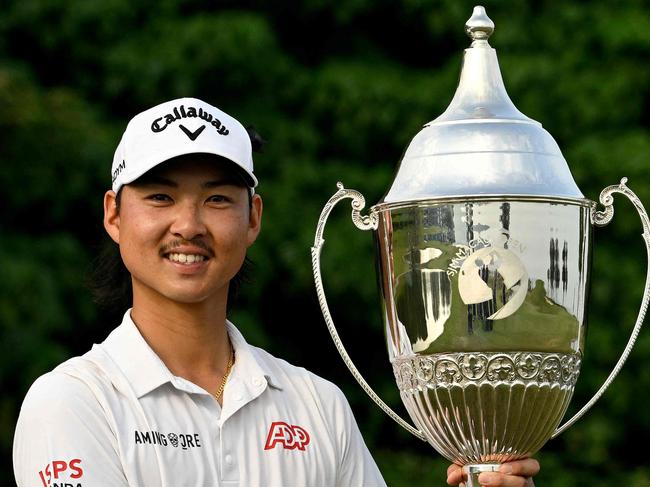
[188, 221]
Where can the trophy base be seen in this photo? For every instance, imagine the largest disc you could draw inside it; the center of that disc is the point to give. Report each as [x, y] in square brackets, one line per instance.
[474, 470]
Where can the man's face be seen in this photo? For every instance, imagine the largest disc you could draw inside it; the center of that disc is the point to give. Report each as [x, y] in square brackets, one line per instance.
[183, 229]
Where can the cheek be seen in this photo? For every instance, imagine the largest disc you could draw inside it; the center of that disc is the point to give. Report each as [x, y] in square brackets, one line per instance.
[232, 234]
[139, 231]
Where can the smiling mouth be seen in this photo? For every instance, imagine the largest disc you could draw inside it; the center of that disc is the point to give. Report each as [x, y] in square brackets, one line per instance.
[186, 258]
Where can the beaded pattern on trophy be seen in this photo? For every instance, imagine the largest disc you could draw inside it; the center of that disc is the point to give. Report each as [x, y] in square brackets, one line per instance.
[422, 372]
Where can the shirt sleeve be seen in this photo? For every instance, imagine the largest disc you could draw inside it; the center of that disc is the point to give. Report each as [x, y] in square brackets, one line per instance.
[357, 467]
[64, 438]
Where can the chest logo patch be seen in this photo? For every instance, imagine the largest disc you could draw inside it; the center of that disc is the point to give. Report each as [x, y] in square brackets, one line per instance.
[185, 440]
[290, 437]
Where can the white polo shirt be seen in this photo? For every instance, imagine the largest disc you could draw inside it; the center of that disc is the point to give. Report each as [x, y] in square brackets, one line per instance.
[117, 416]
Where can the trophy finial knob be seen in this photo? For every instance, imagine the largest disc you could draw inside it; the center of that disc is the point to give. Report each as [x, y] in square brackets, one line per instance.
[479, 27]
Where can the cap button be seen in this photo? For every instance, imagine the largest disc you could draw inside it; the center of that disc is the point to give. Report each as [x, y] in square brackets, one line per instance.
[479, 27]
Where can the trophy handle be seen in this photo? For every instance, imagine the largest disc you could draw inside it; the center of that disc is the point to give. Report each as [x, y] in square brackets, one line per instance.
[602, 218]
[368, 222]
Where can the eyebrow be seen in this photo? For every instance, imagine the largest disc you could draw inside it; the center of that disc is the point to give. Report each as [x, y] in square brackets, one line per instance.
[227, 181]
[156, 180]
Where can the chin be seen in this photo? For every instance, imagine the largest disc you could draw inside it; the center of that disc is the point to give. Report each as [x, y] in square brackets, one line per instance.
[183, 293]
[194, 295]
[187, 297]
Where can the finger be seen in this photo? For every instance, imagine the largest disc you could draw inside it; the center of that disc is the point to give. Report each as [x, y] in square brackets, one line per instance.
[528, 467]
[512, 474]
[454, 474]
[496, 479]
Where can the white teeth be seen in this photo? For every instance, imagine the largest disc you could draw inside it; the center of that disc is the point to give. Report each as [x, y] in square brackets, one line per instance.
[186, 258]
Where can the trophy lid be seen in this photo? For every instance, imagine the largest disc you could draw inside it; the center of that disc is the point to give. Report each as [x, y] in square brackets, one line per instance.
[482, 145]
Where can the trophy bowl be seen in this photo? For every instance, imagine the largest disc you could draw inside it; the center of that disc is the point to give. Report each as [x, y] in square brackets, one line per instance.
[483, 251]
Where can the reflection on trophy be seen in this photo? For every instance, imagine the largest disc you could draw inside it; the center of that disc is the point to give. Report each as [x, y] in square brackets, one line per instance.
[483, 252]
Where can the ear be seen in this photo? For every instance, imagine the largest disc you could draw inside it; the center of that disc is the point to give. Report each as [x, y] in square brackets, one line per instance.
[112, 216]
[255, 218]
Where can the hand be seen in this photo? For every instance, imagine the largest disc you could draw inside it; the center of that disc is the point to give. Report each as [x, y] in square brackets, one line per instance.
[511, 474]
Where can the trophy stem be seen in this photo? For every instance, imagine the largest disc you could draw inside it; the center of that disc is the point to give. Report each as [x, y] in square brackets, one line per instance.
[473, 471]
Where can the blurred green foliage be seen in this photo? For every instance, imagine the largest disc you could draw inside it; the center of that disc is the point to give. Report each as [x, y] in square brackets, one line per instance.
[338, 89]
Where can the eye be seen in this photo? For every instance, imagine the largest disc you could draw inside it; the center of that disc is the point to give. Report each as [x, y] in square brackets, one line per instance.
[160, 197]
[218, 198]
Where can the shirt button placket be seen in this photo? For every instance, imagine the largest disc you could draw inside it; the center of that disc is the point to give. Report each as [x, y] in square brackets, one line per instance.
[230, 470]
[218, 447]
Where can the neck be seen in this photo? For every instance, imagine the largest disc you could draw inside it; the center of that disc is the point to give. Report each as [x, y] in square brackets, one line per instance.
[190, 338]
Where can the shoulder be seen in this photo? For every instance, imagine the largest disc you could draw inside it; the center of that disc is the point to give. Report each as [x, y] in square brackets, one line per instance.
[286, 370]
[75, 385]
[52, 387]
[294, 375]
[65, 418]
[62, 401]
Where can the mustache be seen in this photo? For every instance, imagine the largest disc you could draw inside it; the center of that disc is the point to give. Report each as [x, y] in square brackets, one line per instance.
[180, 242]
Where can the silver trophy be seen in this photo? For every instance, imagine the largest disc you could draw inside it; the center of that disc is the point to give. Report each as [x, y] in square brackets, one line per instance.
[483, 253]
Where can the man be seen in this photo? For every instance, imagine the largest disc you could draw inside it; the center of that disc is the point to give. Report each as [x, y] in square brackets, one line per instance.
[175, 395]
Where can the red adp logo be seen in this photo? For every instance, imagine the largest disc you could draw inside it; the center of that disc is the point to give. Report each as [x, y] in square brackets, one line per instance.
[291, 437]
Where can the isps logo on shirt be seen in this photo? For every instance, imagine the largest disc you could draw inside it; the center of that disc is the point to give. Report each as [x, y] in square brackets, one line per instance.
[60, 473]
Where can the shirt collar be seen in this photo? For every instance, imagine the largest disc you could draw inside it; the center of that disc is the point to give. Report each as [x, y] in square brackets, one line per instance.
[245, 356]
[146, 371]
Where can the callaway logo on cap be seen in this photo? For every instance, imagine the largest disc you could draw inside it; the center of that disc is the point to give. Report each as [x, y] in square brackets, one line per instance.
[176, 128]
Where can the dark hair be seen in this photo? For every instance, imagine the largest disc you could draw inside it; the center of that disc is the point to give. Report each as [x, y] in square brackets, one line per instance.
[257, 142]
[109, 280]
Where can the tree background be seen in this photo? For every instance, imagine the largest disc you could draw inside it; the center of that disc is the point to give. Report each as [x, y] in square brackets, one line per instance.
[338, 89]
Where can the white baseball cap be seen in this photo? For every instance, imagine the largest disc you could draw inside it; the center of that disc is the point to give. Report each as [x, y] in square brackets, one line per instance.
[175, 128]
